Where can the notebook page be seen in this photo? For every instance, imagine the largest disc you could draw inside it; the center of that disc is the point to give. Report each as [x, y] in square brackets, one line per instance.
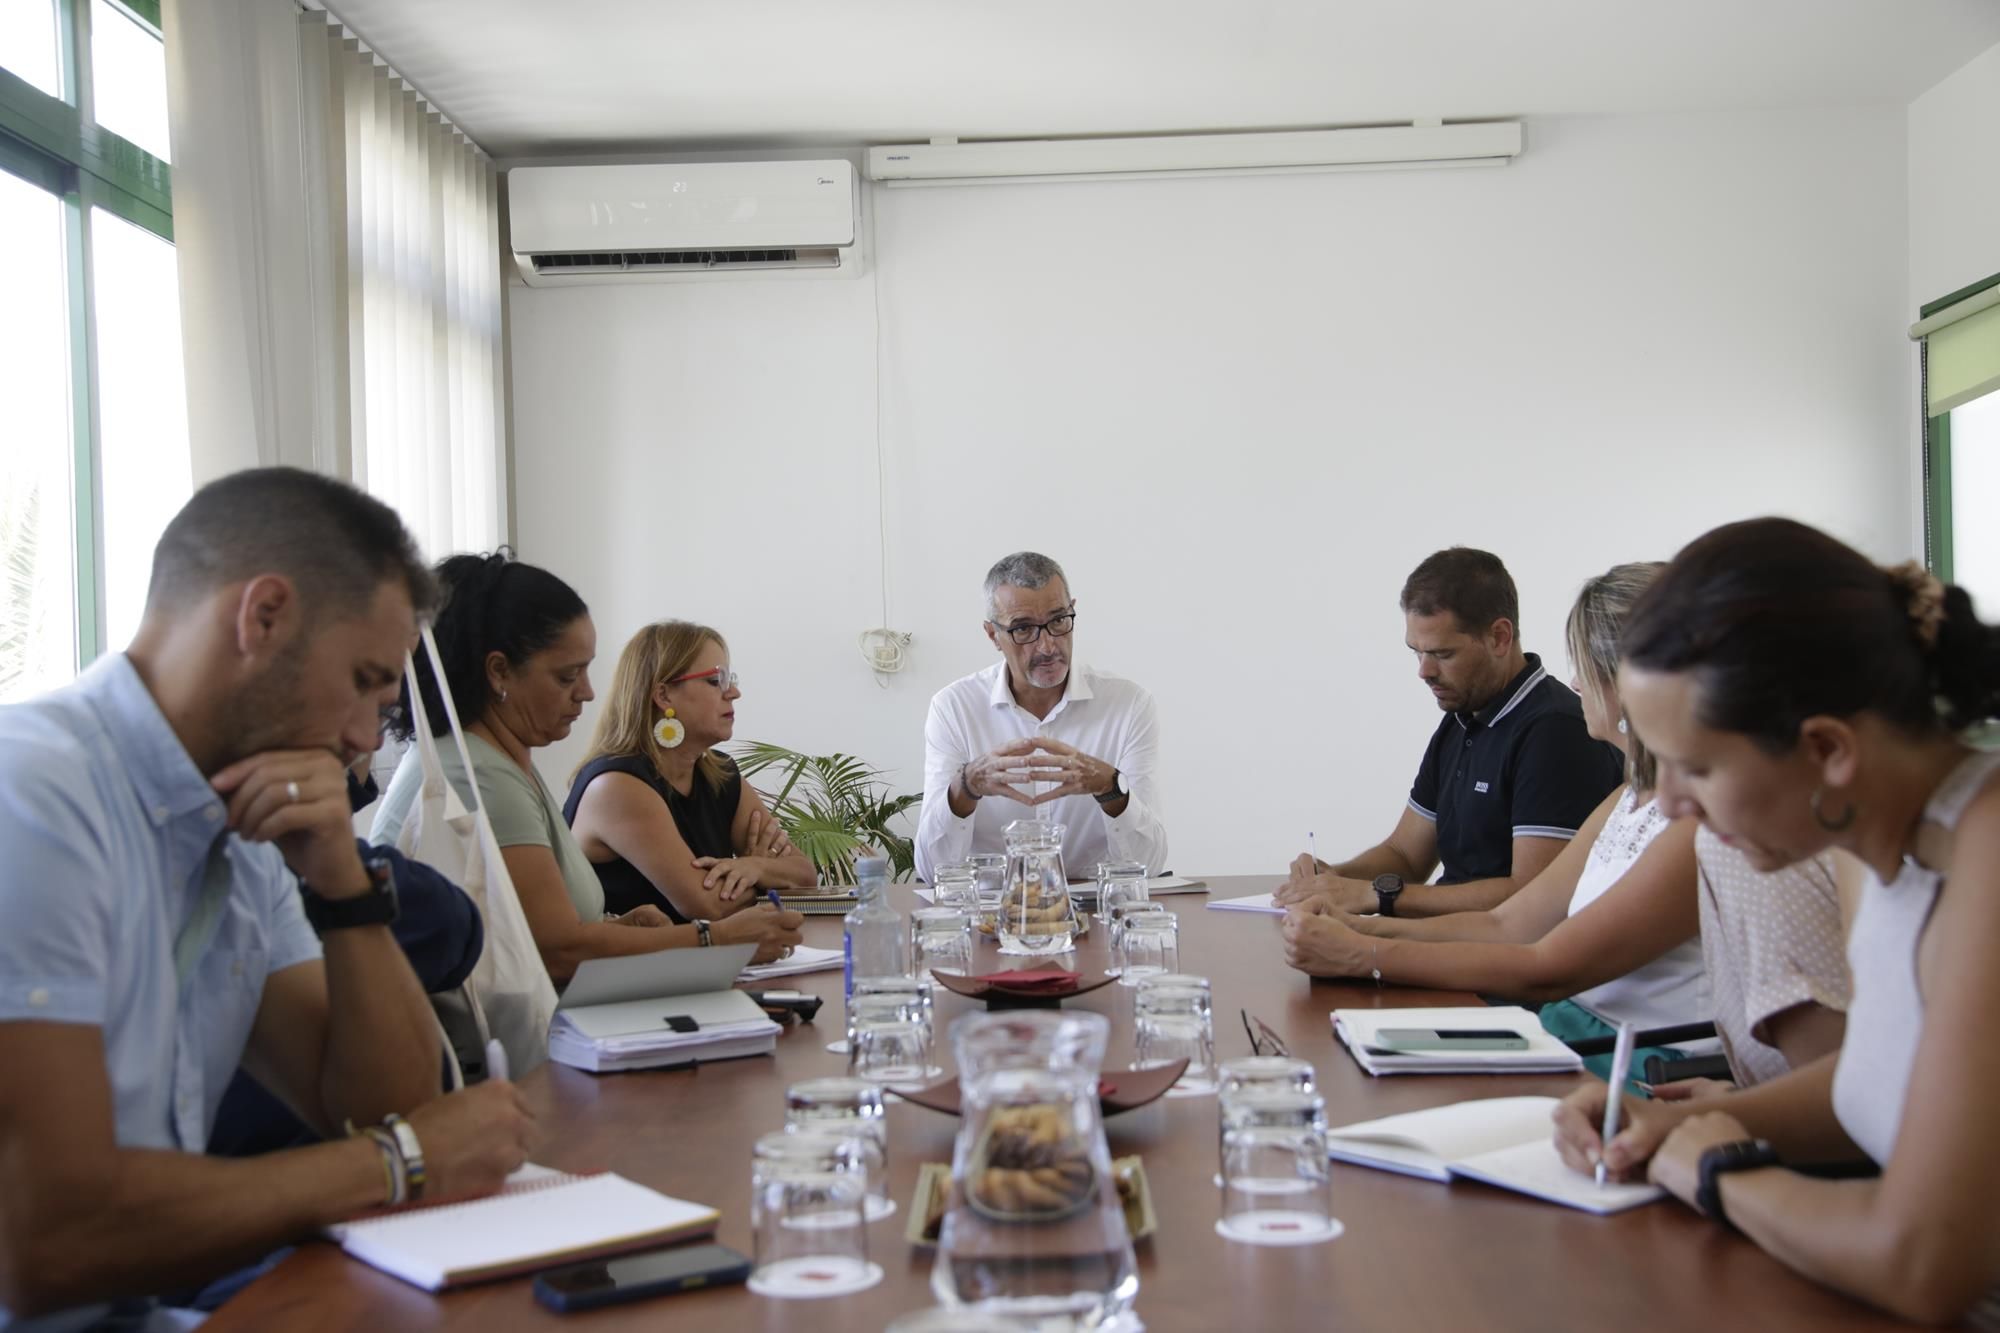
[1448, 1133]
[534, 1226]
[1536, 1168]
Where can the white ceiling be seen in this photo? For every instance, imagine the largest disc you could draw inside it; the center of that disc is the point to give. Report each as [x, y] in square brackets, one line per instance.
[541, 76]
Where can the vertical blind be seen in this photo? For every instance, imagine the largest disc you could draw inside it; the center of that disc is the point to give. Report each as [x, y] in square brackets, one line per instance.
[416, 280]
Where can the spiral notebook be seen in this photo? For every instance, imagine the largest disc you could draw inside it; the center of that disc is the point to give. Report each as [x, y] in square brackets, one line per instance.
[540, 1218]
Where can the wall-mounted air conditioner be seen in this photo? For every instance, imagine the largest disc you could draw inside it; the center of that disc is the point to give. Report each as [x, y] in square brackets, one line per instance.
[593, 224]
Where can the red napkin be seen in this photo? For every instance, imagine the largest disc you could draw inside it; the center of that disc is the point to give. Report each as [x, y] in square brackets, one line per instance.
[1035, 982]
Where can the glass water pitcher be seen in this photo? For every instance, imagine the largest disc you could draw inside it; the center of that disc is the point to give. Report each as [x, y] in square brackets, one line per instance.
[1034, 1229]
[1036, 915]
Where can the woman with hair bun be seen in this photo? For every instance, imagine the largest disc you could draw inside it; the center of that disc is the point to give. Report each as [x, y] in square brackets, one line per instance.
[515, 644]
[1799, 698]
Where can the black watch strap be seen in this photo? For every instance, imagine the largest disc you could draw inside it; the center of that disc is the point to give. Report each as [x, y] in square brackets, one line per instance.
[1388, 888]
[377, 907]
[1721, 1160]
[1117, 792]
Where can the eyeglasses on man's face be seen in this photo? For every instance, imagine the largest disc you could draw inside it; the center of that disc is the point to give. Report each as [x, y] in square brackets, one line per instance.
[722, 678]
[1025, 632]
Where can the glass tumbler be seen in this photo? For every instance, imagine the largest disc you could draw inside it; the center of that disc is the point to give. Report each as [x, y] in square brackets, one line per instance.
[1173, 1019]
[807, 1194]
[848, 1106]
[1275, 1188]
[1148, 945]
[940, 941]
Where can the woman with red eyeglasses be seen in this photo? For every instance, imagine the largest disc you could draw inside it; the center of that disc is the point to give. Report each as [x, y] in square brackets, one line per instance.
[663, 814]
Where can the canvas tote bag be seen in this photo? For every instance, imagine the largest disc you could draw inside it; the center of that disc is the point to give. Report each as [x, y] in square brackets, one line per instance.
[508, 996]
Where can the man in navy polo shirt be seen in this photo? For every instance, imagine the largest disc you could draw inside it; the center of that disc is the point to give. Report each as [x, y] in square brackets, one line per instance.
[1509, 776]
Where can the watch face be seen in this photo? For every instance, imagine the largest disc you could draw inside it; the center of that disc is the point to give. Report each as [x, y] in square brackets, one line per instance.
[1390, 884]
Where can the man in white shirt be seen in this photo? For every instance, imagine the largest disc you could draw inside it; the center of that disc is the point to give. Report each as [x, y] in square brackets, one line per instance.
[1035, 737]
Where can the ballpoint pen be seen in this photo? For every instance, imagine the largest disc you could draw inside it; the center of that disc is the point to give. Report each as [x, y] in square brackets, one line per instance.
[496, 1060]
[1621, 1065]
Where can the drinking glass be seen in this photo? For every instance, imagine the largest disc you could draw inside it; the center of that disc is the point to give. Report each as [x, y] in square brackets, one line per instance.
[807, 1195]
[940, 940]
[1119, 882]
[955, 886]
[1173, 1019]
[989, 885]
[1253, 1074]
[850, 1106]
[1148, 945]
[1275, 1188]
[888, 1040]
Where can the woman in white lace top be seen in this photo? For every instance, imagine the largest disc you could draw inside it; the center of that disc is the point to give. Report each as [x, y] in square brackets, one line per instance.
[1800, 698]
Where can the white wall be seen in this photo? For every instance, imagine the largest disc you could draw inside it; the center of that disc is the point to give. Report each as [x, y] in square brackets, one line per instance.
[1954, 144]
[1239, 411]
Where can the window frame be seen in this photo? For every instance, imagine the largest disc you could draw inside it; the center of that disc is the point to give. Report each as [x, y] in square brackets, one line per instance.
[56, 144]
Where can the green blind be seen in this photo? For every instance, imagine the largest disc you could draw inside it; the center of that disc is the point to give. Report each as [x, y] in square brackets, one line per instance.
[1964, 360]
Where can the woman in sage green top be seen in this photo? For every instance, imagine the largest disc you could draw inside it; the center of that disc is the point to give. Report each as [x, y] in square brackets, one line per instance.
[515, 644]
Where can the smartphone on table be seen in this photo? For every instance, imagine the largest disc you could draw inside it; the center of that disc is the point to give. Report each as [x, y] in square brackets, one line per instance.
[1450, 1039]
[633, 1277]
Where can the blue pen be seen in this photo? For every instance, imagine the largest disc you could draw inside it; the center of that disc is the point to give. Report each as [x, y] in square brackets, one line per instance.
[771, 896]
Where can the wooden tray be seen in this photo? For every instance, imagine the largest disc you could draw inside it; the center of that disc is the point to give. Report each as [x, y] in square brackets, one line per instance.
[992, 988]
[1118, 1090]
[927, 1206]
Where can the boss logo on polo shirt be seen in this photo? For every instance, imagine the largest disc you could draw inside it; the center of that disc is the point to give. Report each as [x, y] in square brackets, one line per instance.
[1479, 786]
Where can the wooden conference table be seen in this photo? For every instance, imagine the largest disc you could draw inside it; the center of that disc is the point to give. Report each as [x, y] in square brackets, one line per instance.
[1415, 1255]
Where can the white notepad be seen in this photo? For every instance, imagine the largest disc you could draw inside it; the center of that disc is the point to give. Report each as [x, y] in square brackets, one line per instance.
[539, 1219]
[1504, 1141]
[804, 958]
[1544, 1054]
[1256, 902]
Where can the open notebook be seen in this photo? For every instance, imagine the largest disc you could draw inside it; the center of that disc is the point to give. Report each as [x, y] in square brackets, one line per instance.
[539, 1218]
[1504, 1141]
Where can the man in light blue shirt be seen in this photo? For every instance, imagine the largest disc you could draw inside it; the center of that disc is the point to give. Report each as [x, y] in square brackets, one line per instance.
[172, 822]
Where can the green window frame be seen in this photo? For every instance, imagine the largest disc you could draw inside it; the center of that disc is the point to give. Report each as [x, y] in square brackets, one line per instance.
[1937, 447]
[57, 144]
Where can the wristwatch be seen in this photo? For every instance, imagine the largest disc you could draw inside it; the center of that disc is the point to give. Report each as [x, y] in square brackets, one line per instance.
[377, 907]
[701, 934]
[1388, 888]
[1117, 792]
[965, 784]
[1719, 1161]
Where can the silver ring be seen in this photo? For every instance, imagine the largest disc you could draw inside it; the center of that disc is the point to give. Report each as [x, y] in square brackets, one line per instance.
[292, 792]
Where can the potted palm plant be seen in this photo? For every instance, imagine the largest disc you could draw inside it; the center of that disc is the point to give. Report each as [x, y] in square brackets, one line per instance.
[831, 806]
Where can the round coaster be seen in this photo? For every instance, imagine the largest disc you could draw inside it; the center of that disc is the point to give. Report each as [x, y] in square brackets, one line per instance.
[804, 1279]
[875, 1208]
[1278, 1226]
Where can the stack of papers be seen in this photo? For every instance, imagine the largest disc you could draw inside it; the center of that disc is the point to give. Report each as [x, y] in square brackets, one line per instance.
[804, 958]
[1504, 1141]
[539, 1218]
[1544, 1054]
[674, 1007]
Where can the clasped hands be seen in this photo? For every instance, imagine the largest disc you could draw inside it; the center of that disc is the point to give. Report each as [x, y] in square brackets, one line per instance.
[734, 876]
[1037, 759]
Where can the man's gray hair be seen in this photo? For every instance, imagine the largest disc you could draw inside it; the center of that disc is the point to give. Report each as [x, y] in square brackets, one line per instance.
[1023, 569]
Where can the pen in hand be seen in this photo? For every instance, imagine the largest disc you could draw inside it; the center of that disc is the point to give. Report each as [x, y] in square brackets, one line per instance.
[771, 897]
[496, 1060]
[1621, 1066]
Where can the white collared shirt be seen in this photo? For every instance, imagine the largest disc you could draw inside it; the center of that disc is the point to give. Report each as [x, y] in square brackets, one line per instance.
[1103, 715]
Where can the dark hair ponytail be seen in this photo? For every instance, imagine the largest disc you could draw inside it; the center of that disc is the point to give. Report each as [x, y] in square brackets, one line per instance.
[1965, 662]
[492, 603]
[1779, 622]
